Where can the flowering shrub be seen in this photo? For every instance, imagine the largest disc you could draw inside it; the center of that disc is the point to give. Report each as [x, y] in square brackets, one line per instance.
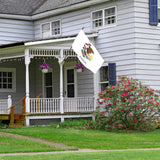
[128, 105]
[78, 66]
[44, 65]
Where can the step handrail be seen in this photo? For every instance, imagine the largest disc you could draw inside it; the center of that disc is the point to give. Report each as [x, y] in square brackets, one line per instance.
[38, 101]
[17, 102]
[12, 110]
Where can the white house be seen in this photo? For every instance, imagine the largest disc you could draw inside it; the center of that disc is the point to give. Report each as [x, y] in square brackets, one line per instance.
[125, 32]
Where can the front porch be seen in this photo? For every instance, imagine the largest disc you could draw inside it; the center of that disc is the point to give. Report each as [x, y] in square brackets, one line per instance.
[65, 93]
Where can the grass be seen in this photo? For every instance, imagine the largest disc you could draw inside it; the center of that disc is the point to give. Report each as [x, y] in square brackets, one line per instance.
[109, 155]
[11, 145]
[93, 139]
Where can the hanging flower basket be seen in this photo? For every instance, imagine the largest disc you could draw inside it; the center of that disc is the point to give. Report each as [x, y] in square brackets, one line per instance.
[79, 70]
[79, 67]
[44, 70]
[44, 67]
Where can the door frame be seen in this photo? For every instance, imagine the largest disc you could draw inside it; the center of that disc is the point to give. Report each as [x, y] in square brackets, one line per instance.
[43, 83]
[65, 81]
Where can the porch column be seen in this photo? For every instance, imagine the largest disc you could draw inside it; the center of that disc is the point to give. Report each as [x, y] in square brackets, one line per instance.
[61, 81]
[95, 89]
[27, 62]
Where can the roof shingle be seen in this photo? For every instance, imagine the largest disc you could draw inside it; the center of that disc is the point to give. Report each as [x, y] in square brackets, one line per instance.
[31, 7]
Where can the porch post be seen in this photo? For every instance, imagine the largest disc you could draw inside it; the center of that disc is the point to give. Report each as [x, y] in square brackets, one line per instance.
[61, 81]
[95, 89]
[9, 103]
[27, 62]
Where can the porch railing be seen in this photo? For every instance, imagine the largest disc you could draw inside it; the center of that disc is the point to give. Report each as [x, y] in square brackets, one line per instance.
[79, 104]
[52, 105]
[44, 105]
[4, 106]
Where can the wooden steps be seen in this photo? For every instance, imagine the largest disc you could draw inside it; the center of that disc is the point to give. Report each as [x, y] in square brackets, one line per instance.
[4, 116]
[18, 121]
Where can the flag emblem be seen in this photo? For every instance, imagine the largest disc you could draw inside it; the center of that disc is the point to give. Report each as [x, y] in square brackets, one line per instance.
[87, 51]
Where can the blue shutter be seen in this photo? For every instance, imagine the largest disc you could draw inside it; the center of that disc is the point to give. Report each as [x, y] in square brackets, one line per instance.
[112, 73]
[153, 12]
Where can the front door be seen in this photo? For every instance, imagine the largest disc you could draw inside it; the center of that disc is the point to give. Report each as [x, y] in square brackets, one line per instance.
[70, 82]
[48, 85]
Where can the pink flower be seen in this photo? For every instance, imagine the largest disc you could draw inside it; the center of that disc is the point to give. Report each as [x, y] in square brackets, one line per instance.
[115, 126]
[130, 114]
[114, 117]
[100, 102]
[135, 120]
[114, 102]
[120, 124]
[119, 76]
[87, 125]
[90, 122]
[117, 108]
[109, 104]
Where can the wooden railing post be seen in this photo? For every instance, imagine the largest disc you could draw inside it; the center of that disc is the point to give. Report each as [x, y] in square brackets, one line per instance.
[38, 101]
[24, 106]
[12, 115]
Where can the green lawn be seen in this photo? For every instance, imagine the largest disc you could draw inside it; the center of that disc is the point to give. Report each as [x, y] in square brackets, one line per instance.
[11, 145]
[93, 139]
[109, 155]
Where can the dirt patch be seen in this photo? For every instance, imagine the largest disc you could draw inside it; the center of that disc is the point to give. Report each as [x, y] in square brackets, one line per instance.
[52, 144]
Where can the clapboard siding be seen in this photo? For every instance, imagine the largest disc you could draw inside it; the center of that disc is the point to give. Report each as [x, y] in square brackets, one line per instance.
[85, 83]
[147, 46]
[15, 30]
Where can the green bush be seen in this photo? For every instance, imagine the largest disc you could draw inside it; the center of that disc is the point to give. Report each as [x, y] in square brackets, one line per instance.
[70, 124]
[128, 105]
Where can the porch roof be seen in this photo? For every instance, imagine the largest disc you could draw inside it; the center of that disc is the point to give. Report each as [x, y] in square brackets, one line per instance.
[17, 49]
[48, 40]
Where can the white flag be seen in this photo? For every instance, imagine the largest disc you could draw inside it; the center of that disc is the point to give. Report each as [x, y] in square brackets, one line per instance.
[87, 53]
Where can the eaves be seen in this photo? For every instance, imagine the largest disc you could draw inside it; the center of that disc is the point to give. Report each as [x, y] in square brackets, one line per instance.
[54, 11]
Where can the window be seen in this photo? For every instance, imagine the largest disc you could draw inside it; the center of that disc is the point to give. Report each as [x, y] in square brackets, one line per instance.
[104, 82]
[7, 80]
[51, 29]
[107, 76]
[55, 28]
[104, 17]
[46, 30]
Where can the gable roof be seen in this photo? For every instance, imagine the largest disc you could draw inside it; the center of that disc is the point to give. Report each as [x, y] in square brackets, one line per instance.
[20, 7]
[54, 4]
[32, 7]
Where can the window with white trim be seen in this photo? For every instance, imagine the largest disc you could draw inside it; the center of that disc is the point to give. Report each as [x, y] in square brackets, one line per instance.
[55, 28]
[46, 30]
[7, 79]
[104, 17]
[103, 79]
[50, 29]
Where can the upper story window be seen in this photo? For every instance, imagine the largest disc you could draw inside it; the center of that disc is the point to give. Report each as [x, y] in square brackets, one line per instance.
[7, 80]
[51, 29]
[104, 17]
